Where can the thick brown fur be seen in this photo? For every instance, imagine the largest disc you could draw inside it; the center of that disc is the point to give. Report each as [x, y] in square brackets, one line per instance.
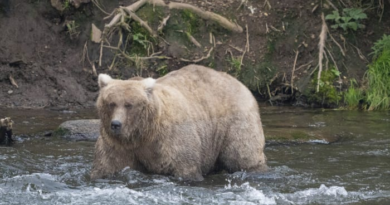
[182, 124]
[6, 131]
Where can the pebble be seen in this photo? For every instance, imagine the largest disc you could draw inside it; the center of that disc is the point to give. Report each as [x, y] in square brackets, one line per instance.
[10, 91]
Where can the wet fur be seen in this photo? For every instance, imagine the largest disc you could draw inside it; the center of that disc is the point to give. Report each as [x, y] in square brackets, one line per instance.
[184, 125]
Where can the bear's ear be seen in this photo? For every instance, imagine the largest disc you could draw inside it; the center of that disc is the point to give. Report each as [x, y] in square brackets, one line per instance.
[149, 85]
[103, 80]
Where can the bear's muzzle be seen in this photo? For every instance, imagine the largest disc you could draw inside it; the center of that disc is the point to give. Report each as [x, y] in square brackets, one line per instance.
[116, 127]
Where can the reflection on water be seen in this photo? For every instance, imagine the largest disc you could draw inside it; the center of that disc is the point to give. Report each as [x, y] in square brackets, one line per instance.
[354, 170]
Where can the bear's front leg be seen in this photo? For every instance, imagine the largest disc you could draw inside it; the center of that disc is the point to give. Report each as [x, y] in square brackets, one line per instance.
[188, 173]
[110, 159]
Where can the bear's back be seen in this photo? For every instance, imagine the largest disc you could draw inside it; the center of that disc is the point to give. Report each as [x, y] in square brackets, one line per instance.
[210, 87]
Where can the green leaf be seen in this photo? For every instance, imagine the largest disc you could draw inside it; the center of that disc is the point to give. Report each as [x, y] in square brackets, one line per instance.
[330, 17]
[346, 19]
[360, 16]
[335, 26]
[336, 72]
[353, 25]
[321, 83]
[335, 16]
[348, 10]
[343, 26]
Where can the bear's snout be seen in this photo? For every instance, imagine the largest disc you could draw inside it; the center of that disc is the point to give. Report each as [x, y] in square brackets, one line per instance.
[116, 126]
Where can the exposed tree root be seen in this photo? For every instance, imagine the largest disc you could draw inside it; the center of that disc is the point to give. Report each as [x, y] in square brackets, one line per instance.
[321, 46]
[181, 6]
[163, 23]
[200, 59]
[13, 82]
[334, 40]
[293, 71]
[207, 16]
[191, 38]
[119, 25]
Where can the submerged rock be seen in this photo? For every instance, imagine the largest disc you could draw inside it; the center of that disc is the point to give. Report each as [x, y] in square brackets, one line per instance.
[79, 130]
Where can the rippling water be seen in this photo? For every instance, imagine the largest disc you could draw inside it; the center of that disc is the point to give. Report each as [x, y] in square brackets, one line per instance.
[354, 170]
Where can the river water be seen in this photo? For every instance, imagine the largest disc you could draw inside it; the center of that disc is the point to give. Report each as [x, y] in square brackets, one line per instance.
[353, 170]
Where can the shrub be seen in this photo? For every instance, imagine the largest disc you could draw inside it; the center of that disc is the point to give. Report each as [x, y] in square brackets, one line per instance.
[354, 96]
[378, 75]
[349, 19]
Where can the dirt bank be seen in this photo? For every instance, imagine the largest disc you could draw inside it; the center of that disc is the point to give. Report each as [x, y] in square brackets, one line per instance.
[47, 66]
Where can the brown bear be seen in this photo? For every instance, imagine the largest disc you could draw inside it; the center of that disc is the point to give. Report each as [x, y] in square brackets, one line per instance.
[186, 124]
[6, 131]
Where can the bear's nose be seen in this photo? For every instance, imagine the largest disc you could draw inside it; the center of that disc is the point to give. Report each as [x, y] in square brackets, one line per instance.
[116, 125]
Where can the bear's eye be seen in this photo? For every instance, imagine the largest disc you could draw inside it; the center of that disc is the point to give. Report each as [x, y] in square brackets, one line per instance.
[128, 105]
[112, 104]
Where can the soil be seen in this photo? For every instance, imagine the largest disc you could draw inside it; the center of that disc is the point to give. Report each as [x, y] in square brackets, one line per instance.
[50, 69]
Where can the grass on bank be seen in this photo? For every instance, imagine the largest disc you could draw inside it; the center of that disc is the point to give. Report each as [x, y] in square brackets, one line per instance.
[378, 75]
[377, 94]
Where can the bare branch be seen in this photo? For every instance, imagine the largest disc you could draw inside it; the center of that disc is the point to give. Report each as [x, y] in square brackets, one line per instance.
[200, 59]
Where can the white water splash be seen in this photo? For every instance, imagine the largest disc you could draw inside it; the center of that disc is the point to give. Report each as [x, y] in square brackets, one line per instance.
[318, 141]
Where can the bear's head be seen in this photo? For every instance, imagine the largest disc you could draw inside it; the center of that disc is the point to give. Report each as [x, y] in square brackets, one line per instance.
[127, 108]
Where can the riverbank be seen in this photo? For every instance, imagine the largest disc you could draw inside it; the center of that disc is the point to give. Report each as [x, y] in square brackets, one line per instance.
[47, 58]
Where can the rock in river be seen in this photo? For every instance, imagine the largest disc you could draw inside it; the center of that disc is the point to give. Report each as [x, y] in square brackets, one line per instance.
[79, 130]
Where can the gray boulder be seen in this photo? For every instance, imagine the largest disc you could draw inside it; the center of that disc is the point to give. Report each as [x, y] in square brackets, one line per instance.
[79, 130]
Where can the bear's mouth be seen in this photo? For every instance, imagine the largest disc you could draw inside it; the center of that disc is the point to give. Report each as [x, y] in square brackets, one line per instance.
[116, 132]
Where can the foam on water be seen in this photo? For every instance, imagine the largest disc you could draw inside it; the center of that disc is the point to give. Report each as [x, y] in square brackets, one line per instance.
[319, 141]
[40, 188]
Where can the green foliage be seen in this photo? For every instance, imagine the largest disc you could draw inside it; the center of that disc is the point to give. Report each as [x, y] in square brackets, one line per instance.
[348, 20]
[377, 95]
[191, 21]
[66, 4]
[72, 29]
[327, 93]
[235, 64]
[354, 96]
[381, 45]
[162, 70]
[378, 75]
[151, 14]
[299, 135]
[257, 76]
[180, 24]
[139, 40]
